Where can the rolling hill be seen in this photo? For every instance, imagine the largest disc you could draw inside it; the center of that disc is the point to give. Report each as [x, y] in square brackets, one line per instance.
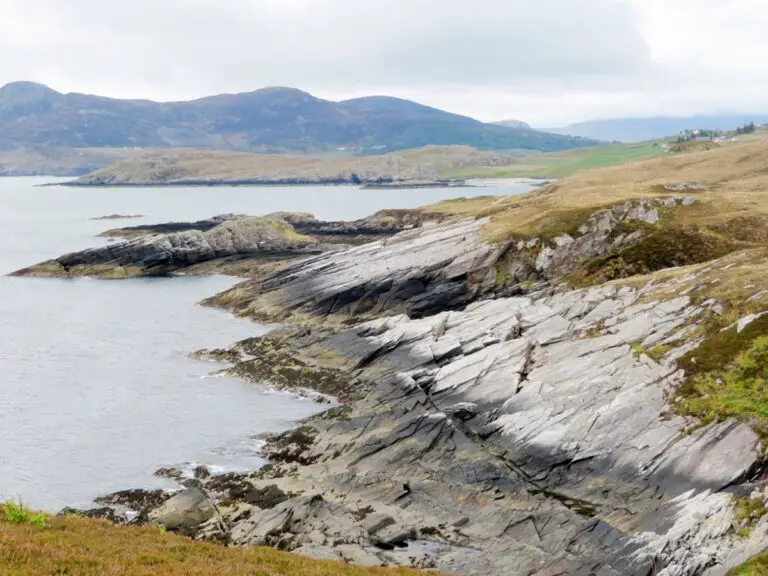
[267, 120]
[641, 129]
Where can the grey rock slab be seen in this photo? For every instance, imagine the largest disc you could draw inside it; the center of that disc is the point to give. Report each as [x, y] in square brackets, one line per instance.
[552, 330]
[711, 458]
[376, 522]
[185, 512]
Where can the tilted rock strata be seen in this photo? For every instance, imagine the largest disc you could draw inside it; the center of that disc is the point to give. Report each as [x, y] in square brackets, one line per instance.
[159, 249]
[162, 254]
[435, 267]
[521, 435]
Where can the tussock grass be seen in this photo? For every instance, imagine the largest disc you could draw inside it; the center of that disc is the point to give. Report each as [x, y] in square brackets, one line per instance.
[83, 547]
[757, 566]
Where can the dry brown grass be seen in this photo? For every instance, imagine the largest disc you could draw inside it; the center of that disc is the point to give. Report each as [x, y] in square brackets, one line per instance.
[737, 178]
[81, 547]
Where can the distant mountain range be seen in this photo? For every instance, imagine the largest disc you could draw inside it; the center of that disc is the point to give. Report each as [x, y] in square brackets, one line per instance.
[640, 129]
[268, 120]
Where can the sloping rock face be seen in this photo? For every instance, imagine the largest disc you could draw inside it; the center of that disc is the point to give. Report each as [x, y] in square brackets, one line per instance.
[521, 435]
[435, 267]
[159, 249]
[162, 254]
[420, 271]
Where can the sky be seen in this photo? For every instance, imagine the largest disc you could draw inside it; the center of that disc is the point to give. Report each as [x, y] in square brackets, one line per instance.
[547, 62]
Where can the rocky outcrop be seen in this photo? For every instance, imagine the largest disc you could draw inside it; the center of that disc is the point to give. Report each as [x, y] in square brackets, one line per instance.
[118, 217]
[170, 227]
[163, 254]
[436, 267]
[385, 223]
[160, 249]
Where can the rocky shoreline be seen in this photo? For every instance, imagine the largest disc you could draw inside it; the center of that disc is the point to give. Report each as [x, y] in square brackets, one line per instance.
[363, 183]
[495, 420]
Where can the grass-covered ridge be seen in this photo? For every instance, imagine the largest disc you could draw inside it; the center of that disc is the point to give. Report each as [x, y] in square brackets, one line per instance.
[562, 164]
[83, 547]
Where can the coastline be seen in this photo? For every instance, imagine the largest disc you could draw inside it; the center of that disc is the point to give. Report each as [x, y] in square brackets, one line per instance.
[477, 432]
[362, 184]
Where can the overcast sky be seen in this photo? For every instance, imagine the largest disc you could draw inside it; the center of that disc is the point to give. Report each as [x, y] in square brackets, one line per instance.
[548, 62]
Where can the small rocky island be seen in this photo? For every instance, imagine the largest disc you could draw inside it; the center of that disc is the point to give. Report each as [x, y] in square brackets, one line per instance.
[559, 383]
[428, 167]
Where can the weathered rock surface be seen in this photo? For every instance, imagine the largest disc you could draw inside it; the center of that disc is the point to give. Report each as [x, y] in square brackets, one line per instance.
[433, 268]
[520, 435]
[158, 249]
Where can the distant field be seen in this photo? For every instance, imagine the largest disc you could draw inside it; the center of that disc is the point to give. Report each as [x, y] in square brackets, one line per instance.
[562, 164]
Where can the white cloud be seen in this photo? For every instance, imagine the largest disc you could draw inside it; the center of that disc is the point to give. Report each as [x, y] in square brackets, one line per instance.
[545, 61]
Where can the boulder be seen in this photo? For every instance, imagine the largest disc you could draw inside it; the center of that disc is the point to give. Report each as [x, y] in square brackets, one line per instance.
[171, 473]
[185, 512]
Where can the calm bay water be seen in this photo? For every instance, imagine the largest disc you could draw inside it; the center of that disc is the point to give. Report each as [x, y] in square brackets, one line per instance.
[96, 390]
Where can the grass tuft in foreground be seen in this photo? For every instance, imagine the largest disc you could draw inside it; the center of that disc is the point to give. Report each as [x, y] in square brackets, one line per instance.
[17, 513]
[84, 547]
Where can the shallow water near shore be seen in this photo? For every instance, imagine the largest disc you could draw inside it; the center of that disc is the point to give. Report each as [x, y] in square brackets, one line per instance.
[96, 389]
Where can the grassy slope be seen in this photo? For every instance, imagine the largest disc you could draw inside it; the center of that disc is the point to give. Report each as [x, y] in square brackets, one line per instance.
[562, 164]
[82, 547]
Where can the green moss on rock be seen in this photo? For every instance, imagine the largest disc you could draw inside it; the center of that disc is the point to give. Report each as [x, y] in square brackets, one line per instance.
[277, 363]
[750, 510]
[755, 566]
[664, 247]
[727, 377]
